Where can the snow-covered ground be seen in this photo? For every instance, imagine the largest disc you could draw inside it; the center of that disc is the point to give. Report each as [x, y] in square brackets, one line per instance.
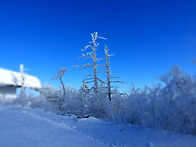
[25, 127]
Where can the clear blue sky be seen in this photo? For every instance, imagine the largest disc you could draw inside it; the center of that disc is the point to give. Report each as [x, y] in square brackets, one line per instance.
[147, 37]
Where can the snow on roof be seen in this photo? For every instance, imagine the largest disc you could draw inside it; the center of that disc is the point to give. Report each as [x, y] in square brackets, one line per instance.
[11, 78]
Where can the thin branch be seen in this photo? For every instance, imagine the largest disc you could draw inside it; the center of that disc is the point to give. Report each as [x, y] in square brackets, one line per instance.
[89, 75]
[86, 48]
[115, 77]
[89, 82]
[117, 82]
[101, 71]
[88, 79]
[101, 65]
[84, 66]
[100, 80]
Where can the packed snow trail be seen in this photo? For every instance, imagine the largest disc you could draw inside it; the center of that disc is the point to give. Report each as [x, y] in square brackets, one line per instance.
[25, 127]
[19, 129]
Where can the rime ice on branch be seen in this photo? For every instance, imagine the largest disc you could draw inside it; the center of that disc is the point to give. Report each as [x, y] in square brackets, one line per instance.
[92, 55]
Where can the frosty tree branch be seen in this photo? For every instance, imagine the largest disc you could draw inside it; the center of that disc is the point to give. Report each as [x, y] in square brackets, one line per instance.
[84, 66]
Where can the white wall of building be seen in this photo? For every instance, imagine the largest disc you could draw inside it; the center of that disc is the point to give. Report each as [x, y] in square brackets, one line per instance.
[7, 93]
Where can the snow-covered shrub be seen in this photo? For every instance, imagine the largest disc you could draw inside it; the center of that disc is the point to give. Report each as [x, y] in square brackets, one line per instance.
[30, 100]
[171, 106]
[119, 109]
[53, 97]
[73, 103]
[98, 103]
[177, 102]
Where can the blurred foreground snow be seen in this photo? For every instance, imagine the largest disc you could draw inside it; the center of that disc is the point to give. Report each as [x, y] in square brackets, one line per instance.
[25, 127]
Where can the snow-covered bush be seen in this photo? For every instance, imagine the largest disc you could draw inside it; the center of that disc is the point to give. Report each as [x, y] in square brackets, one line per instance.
[177, 102]
[73, 101]
[30, 100]
[170, 106]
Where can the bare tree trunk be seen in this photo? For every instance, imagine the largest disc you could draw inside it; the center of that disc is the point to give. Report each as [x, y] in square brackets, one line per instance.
[95, 71]
[63, 86]
[108, 73]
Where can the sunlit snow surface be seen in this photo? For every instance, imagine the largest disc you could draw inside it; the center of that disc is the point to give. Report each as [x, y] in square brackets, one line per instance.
[24, 127]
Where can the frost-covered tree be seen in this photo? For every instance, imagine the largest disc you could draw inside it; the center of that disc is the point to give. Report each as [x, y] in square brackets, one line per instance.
[109, 73]
[22, 70]
[92, 55]
[60, 73]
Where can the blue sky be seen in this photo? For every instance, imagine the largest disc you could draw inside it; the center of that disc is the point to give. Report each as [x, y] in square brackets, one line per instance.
[147, 37]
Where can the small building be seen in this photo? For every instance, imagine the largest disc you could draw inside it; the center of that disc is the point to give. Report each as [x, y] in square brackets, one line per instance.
[10, 81]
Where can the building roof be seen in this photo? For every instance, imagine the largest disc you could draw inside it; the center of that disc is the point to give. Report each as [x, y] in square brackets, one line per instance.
[11, 78]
